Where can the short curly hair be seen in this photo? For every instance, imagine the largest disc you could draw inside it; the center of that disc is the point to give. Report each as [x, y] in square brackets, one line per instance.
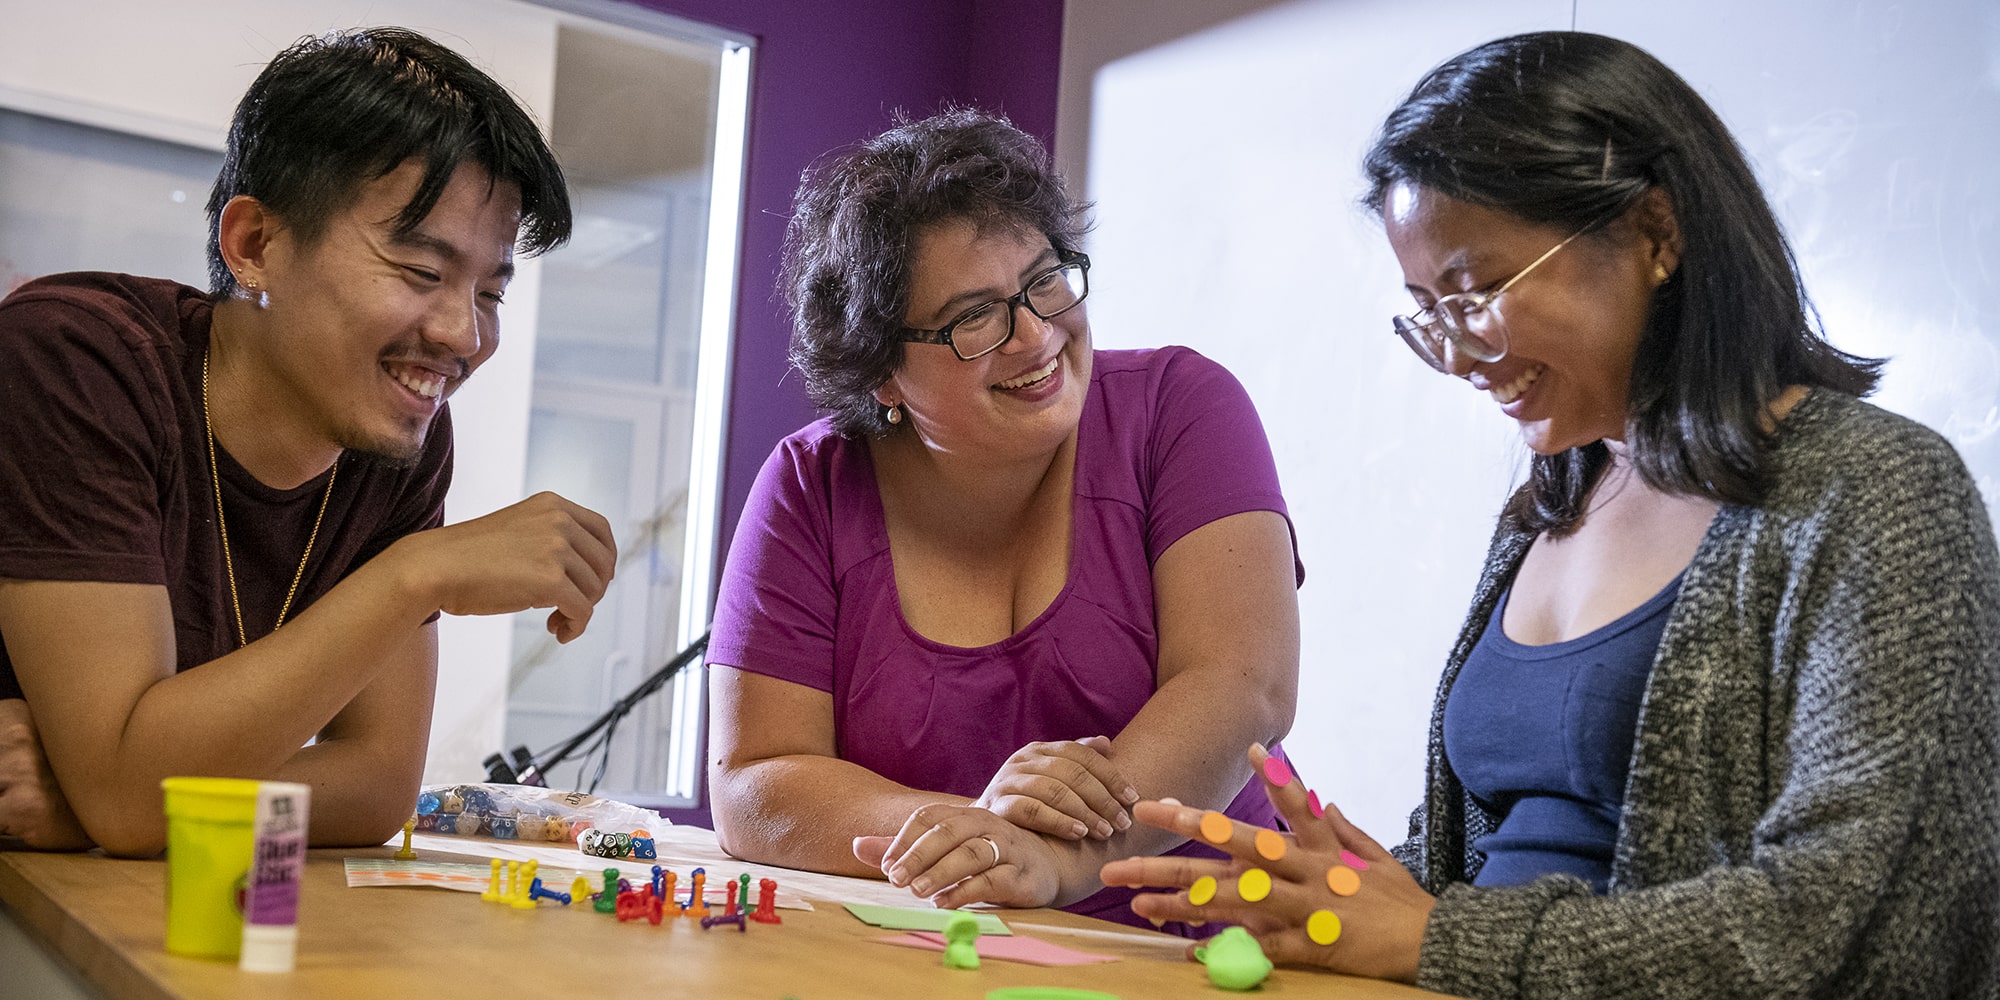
[846, 273]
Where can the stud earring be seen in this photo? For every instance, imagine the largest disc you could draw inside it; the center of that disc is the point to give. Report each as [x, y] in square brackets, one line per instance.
[1660, 274]
[895, 414]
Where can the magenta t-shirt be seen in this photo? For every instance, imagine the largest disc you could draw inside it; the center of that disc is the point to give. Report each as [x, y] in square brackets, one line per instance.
[1168, 442]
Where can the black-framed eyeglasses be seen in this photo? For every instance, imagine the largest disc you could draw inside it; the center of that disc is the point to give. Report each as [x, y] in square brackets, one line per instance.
[981, 330]
[1467, 319]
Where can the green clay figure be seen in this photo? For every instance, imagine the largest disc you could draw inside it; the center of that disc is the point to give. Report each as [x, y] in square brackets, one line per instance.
[1234, 960]
[961, 936]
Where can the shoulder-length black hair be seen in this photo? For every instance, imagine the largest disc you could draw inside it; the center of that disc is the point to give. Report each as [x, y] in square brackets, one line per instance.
[846, 271]
[1565, 128]
[332, 113]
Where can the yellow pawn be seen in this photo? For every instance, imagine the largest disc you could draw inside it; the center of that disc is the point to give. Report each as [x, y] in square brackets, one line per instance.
[409, 827]
[579, 892]
[523, 900]
[513, 883]
[492, 893]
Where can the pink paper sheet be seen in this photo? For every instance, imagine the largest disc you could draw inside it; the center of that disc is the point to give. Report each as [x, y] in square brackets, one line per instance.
[1018, 948]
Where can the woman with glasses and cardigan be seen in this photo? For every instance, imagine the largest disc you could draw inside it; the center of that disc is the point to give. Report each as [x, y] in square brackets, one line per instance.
[1722, 720]
[1010, 584]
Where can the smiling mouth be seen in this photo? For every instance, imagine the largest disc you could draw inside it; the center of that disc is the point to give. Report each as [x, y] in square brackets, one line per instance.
[419, 380]
[1505, 394]
[1032, 377]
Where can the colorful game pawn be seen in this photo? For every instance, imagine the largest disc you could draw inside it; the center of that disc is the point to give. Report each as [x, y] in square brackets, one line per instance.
[492, 893]
[409, 827]
[579, 890]
[767, 902]
[539, 891]
[513, 883]
[607, 901]
[961, 942]
[729, 900]
[697, 907]
[707, 922]
[659, 876]
[671, 905]
[524, 898]
[655, 908]
[743, 892]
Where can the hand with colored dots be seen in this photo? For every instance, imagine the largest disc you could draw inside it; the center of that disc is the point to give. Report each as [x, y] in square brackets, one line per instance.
[1326, 894]
[1066, 789]
[956, 855]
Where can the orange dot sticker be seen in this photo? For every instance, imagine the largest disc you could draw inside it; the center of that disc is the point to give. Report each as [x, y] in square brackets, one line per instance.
[1253, 885]
[1344, 881]
[1323, 927]
[1271, 844]
[1216, 828]
[1201, 891]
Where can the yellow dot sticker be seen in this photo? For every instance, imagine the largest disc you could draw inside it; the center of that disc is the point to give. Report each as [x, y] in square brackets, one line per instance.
[1253, 885]
[1271, 844]
[1344, 881]
[1201, 891]
[1323, 927]
[1216, 828]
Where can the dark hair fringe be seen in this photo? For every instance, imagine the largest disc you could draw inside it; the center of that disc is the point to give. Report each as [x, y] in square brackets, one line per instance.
[332, 113]
[1566, 128]
[847, 260]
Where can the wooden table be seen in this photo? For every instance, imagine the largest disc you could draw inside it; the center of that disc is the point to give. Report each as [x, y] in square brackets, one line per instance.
[106, 918]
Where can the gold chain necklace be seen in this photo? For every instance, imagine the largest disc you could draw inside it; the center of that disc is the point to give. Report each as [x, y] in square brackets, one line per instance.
[229, 564]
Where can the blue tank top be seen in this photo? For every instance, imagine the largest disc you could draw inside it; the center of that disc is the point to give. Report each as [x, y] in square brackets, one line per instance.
[1542, 737]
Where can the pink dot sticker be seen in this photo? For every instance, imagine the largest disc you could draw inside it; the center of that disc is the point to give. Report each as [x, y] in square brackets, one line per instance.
[1312, 799]
[1277, 772]
[1353, 860]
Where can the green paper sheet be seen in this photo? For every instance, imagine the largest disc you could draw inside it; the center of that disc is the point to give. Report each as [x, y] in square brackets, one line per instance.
[919, 918]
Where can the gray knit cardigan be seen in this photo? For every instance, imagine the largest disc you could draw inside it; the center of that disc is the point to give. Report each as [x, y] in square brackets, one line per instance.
[1813, 808]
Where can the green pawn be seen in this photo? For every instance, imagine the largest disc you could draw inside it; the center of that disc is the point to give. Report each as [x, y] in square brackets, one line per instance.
[607, 901]
[1234, 960]
[961, 948]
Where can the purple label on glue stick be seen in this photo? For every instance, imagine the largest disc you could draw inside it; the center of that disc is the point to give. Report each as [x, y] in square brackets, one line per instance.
[280, 861]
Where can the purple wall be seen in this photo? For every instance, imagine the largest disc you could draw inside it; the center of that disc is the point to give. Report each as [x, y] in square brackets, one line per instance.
[826, 74]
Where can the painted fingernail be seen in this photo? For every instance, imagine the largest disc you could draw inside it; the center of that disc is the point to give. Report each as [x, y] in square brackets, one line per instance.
[1353, 860]
[1124, 822]
[1157, 922]
[1277, 772]
[1312, 800]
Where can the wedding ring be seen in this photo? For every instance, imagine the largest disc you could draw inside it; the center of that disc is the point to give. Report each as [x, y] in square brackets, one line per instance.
[996, 851]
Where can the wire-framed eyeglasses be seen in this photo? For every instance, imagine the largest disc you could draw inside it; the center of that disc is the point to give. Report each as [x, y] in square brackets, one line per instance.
[1468, 320]
[982, 329]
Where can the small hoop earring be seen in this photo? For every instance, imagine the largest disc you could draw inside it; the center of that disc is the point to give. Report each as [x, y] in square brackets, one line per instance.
[895, 414]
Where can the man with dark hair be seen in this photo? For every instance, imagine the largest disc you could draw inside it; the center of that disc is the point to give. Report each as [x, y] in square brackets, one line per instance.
[181, 473]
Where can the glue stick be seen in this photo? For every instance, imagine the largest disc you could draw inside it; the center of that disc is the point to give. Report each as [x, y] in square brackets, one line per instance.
[278, 866]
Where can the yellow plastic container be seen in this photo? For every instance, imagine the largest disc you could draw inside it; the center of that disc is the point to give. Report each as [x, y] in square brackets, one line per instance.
[211, 835]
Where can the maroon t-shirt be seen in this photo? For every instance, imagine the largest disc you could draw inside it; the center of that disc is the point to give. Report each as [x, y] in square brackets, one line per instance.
[104, 470]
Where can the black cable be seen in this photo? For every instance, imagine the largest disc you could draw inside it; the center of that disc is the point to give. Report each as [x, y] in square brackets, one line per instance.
[608, 722]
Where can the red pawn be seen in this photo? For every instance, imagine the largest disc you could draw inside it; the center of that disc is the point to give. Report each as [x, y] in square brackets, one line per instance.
[767, 902]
